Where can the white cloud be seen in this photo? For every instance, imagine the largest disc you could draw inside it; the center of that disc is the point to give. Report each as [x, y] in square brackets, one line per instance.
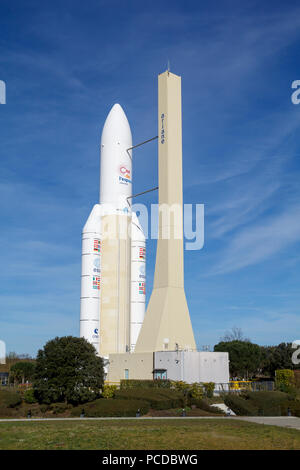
[260, 241]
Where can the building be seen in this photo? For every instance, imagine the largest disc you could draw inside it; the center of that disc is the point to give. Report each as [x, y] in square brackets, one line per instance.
[188, 366]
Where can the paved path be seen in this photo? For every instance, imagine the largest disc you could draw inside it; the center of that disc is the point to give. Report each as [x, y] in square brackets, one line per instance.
[283, 421]
[8, 420]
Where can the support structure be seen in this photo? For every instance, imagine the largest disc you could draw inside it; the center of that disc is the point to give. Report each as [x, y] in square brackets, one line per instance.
[167, 324]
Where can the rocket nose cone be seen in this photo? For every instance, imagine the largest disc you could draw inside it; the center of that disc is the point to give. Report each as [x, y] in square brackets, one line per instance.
[116, 126]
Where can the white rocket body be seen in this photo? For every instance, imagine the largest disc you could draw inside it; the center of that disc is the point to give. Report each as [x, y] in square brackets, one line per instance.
[115, 188]
[116, 165]
[90, 278]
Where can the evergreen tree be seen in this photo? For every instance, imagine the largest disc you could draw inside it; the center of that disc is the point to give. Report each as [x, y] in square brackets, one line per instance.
[68, 369]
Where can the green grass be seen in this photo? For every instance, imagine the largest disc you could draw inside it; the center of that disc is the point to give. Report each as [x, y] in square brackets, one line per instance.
[156, 434]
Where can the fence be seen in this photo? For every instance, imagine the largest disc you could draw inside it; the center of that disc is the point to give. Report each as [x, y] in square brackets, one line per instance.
[236, 386]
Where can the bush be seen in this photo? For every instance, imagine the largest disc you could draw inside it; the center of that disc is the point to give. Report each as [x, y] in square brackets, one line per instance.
[196, 391]
[109, 391]
[44, 408]
[126, 384]
[297, 379]
[111, 408]
[285, 380]
[262, 403]
[209, 389]
[6, 412]
[240, 406]
[180, 386]
[202, 404]
[29, 396]
[157, 399]
[10, 399]
[59, 408]
[292, 406]
[266, 403]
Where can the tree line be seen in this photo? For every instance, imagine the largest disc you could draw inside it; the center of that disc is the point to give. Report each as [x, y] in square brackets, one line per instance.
[249, 360]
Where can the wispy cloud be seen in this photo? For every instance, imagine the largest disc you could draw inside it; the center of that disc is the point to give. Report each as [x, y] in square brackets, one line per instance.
[260, 241]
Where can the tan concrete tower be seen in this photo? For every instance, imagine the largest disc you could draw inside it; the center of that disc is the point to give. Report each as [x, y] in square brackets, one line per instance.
[167, 323]
[115, 288]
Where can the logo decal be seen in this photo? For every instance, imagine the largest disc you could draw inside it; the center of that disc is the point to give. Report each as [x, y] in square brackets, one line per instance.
[125, 177]
[96, 263]
[142, 271]
[162, 130]
[96, 282]
[97, 245]
[142, 288]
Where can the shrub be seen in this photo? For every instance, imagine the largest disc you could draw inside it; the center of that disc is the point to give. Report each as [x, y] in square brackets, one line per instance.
[109, 391]
[111, 408]
[196, 391]
[209, 389]
[292, 406]
[284, 380]
[157, 399]
[29, 396]
[10, 399]
[58, 408]
[261, 403]
[297, 378]
[266, 403]
[240, 406]
[44, 408]
[6, 412]
[126, 384]
[180, 386]
[205, 406]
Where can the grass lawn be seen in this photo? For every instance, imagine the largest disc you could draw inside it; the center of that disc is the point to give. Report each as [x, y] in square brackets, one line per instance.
[157, 435]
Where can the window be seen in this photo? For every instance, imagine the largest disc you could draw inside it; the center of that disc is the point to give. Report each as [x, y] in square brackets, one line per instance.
[126, 374]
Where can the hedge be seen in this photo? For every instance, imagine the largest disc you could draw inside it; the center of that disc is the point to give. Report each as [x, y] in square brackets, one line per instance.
[9, 399]
[126, 384]
[292, 406]
[240, 406]
[29, 396]
[157, 399]
[263, 403]
[111, 407]
[202, 404]
[266, 403]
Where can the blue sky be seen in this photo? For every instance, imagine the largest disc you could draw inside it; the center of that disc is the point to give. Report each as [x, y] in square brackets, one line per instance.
[65, 64]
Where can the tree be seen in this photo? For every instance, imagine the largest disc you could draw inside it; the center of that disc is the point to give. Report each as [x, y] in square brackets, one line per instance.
[68, 369]
[277, 357]
[236, 334]
[22, 371]
[245, 357]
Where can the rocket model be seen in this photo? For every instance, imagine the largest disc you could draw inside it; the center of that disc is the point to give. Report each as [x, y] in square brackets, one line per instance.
[112, 304]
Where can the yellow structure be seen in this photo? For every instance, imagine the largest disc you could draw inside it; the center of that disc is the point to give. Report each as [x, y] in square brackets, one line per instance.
[167, 324]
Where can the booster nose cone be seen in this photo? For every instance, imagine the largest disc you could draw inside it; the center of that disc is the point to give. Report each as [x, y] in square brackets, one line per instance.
[116, 165]
[116, 127]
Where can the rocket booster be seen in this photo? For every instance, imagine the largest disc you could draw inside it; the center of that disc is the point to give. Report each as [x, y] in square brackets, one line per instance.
[112, 306]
